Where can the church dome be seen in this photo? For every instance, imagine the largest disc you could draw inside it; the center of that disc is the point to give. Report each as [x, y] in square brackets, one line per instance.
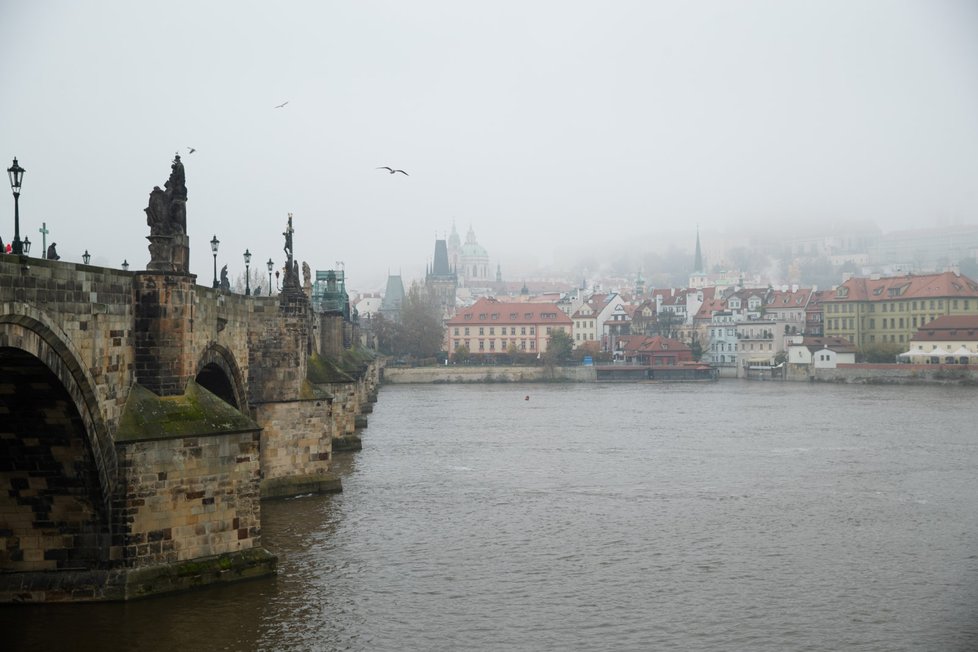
[474, 250]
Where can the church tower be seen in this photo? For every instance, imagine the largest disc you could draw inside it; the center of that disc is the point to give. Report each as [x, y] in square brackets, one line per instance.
[441, 279]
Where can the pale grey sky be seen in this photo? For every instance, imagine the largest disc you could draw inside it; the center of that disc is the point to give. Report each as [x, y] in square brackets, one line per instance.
[541, 124]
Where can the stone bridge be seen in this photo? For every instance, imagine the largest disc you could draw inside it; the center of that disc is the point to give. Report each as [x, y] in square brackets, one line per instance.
[143, 417]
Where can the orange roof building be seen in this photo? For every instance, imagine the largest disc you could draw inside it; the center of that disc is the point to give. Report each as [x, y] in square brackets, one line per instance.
[890, 309]
[490, 326]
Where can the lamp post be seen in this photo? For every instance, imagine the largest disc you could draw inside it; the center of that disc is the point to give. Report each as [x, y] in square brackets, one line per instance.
[27, 245]
[214, 243]
[16, 177]
[86, 257]
[125, 265]
[247, 257]
[270, 265]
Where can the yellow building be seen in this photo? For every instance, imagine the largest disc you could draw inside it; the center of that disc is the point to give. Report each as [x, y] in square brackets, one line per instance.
[890, 309]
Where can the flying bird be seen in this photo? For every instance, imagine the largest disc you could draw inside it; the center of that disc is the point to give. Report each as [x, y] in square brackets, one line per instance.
[190, 150]
[392, 170]
[281, 105]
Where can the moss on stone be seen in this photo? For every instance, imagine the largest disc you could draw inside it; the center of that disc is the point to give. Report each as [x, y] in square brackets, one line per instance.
[324, 370]
[196, 412]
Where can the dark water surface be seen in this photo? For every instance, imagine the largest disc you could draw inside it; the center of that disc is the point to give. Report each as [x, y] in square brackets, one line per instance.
[727, 516]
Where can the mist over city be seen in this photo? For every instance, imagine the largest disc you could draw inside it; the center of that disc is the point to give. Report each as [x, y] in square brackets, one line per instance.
[569, 136]
[514, 325]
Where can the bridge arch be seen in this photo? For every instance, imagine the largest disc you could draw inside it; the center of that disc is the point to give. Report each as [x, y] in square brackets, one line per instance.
[218, 373]
[60, 465]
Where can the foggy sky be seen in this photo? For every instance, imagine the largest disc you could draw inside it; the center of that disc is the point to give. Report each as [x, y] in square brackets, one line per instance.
[543, 125]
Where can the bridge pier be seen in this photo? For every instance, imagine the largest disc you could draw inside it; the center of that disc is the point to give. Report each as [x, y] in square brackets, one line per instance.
[143, 418]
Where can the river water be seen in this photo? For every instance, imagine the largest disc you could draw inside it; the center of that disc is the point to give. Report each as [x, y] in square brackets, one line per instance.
[723, 516]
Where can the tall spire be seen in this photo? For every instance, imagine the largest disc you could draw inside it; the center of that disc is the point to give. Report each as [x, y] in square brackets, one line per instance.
[698, 262]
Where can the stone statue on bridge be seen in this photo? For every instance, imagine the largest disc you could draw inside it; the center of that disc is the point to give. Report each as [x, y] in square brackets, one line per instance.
[166, 216]
[225, 283]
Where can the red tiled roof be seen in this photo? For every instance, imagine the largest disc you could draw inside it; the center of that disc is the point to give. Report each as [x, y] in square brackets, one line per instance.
[788, 299]
[483, 310]
[922, 286]
[948, 327]
[837, 344]
[647, 344]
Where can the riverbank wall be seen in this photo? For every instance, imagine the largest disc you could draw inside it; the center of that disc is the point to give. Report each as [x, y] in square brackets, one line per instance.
[487, 374]
[866, 374]
[896, 374]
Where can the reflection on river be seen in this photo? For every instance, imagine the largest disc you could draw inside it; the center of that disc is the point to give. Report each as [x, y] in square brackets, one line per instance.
[726, 516]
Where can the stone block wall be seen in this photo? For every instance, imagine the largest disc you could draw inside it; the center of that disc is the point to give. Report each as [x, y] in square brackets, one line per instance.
[331, 334]
[296, 442]
[186, 498]
[224, 319]
[90, 307]
[900, 374]
[163, 323]
[493, 374]
[278, 354]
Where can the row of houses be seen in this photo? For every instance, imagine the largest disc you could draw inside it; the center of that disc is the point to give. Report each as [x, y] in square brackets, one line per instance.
[732, 329]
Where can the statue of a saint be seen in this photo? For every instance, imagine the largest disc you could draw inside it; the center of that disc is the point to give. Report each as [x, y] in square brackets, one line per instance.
[156, 212]
[176, 185]
[225, 283]
[288, 239]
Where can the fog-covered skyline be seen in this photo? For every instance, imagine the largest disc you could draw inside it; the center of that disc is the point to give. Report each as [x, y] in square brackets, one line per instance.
[546, 126]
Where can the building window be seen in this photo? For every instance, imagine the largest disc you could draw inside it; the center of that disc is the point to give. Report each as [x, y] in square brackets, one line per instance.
[533, 344]
[492, 330]
[466, 330]
[482, 331]
[482, 345]
[492, 345]
[522, 330]
[456, 331]
[512, 330]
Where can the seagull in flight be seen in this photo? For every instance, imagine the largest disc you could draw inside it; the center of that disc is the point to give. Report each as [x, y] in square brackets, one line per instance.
[190, 150]
[392, 170]
[281, 105]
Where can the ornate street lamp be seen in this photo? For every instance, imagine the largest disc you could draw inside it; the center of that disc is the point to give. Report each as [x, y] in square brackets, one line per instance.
[86, 257]
[125, 265]
[27, 245]
[214, 243]
[16, 178]
[247, 257]
[270, 265]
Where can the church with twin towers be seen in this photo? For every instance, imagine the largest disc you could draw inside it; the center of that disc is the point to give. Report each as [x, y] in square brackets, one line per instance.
[456, 265]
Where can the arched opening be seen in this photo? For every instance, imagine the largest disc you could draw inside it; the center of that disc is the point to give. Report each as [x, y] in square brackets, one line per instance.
[213, 379]
[52, 512]
[218, 373]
